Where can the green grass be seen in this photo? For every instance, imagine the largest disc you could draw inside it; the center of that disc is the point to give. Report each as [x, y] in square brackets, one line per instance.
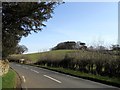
[37, 56]
[60, 54]
[104, 79]
[9, 80]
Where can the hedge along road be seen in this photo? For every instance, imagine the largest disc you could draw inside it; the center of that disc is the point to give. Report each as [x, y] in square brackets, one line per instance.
[34, 77]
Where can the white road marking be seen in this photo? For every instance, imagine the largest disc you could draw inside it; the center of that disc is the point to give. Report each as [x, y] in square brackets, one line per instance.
[52, 78]
[34, 71]
[23, 78]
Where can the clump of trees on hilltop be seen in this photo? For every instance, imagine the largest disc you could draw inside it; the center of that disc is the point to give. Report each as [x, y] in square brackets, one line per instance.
[70, 45]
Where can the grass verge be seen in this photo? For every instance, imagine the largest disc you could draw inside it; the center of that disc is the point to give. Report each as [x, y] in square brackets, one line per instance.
[9, 80]
[102, 79]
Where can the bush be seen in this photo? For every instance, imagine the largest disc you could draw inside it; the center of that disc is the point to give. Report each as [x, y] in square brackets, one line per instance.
[84, 61]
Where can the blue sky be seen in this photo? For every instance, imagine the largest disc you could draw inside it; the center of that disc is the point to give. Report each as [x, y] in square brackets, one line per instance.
[88, 22]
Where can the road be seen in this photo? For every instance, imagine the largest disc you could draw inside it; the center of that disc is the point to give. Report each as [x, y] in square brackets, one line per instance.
[34, 77]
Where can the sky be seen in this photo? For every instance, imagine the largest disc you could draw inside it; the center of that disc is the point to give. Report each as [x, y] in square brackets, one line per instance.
[89, 22]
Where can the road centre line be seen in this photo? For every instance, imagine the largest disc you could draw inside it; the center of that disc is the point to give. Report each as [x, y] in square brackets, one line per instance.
[24, 78]
[34, 71]
[52, 78]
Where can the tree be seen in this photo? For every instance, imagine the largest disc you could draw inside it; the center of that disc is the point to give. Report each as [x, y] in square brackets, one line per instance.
[65, 45]
[91, 48]
[101, 48]
[20, 49]
[70, 45]
[20, 19]
[81, 45]
[115, 47]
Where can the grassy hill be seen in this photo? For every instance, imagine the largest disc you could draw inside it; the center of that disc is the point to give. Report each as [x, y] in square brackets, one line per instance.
[60, 55]
[36, 56]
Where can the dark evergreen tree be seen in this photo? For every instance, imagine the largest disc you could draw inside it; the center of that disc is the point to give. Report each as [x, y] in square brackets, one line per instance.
[20, 19]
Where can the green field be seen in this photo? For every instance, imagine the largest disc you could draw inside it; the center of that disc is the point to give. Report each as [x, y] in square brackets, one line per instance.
[60, 54]
[37, 56]
[9, 80]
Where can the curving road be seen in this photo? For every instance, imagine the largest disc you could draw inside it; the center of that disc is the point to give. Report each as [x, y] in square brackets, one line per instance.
[34, 77]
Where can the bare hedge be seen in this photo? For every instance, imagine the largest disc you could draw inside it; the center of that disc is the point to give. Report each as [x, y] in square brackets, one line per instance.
[84, 61]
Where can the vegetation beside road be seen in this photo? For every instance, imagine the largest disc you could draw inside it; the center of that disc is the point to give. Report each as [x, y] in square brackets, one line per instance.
[34, 57]
[9, 80]
[103, 79]
[80, 60]
[91, 64]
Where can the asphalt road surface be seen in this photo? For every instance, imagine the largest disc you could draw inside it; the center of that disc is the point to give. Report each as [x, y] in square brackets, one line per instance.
[34, 77]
